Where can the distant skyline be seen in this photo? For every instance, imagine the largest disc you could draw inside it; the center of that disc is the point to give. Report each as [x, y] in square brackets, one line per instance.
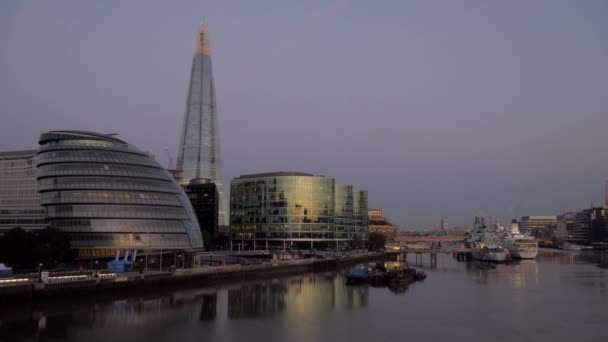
[440, 109]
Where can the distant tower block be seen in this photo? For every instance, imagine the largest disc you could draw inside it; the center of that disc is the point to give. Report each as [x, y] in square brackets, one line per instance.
[443, 226]
[199, 149]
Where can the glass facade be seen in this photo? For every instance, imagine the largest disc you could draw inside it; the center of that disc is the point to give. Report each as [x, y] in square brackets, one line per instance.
[344, 211]
[19, 199]
[291, 210]
[109, 195]
[360, 215]
[199, 151]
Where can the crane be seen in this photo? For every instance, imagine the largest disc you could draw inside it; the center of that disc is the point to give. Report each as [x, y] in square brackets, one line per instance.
[166, 149]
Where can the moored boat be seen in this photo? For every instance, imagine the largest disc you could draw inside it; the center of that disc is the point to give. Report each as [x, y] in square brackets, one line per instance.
[358, 274]
[567, 246]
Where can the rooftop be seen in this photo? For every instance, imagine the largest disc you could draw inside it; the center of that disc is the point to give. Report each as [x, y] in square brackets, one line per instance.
[276, 174]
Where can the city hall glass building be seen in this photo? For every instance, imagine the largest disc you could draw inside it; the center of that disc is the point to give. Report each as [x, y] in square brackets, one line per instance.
[109, 195]
[284, 210]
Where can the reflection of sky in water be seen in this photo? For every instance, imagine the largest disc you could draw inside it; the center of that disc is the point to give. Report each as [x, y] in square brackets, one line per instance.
[559, 296]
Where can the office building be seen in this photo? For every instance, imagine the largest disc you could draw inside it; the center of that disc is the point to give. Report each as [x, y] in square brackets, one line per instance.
[360, 219]
[283, 210]
[199, 159]
[538, 226]
[19, 199]
[108, 195]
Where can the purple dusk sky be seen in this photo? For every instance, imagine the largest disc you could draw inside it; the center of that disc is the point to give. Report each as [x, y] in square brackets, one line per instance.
[438, 108]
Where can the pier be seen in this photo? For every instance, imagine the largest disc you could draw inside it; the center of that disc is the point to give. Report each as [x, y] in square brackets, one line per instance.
[419, 254]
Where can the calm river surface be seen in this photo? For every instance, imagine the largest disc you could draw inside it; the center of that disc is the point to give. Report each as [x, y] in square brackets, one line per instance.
[560, 296]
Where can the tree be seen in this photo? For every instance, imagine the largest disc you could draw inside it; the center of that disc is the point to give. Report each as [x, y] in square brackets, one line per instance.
[54, 247]
[23, 249]
[376, 241]
[18, 249]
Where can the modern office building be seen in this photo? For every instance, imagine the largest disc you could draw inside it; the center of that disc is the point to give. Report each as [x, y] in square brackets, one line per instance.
[19, 198]
[283, 210]
[380, 224]
[108, 196]
[343, 205]
[581, 232]
[538, 226]
[360, 219]
[590, 225]
[199, 150]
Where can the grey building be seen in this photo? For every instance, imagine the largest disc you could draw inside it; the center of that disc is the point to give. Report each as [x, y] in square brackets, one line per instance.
[108, 195]
[19, 199]
[199, 149]
[281, 210]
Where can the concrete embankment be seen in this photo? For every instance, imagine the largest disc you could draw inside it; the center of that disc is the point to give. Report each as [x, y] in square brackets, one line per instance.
[203, 276]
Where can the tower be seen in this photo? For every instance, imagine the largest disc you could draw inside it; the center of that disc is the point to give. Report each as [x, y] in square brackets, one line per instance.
[199, 151]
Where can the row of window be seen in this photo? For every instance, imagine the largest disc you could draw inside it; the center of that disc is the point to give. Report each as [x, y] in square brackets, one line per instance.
[105, 183]
[129, 240]
[110, 197]
[282, 219]
[279, 235]
[21, 221]
[91, 145]
[283, 212]
[20, 202]
[116, 211]
[111, 170]
[95, 156]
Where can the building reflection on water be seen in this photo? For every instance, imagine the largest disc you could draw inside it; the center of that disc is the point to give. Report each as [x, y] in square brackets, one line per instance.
[311, 293]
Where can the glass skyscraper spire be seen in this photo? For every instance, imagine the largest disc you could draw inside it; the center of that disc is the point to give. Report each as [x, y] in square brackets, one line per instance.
[199, 151]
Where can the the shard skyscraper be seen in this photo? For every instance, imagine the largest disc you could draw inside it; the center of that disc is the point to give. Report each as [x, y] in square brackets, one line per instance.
[199, 151]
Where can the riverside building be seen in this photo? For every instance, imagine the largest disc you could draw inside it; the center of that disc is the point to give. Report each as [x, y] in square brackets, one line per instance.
[19, 199]
[110, 196]
[294, 210]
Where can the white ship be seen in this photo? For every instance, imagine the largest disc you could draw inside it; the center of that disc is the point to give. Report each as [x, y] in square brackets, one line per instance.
[485, 245]
[520, 246]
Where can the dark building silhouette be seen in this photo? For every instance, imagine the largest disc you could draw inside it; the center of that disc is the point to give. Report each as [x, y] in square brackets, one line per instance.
[204, 198]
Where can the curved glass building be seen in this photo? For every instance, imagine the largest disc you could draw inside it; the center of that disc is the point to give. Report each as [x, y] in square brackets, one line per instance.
[283, 210]
[109, 195]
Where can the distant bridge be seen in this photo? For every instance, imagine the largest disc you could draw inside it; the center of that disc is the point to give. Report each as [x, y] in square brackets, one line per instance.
[441, 239]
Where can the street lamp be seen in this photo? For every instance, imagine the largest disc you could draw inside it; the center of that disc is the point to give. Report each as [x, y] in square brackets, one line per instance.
[161, 251]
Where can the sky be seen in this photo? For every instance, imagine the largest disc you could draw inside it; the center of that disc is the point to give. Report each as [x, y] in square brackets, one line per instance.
[437, 108]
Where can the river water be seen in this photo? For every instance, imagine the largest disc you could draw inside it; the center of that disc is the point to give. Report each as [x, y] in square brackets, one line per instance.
[560, 296]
